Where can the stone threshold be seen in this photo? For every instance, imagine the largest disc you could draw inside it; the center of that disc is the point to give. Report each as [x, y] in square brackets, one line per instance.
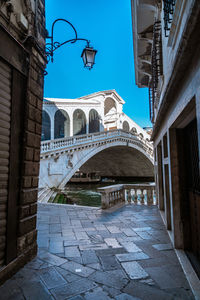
[186, 265]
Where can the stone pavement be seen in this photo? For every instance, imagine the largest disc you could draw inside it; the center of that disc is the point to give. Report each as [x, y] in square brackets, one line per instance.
[87, 253]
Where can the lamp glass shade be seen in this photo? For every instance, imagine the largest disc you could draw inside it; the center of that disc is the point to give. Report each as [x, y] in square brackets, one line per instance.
[88, 56]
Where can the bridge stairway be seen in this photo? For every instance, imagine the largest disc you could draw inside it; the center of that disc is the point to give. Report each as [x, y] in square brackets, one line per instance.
[45, 194]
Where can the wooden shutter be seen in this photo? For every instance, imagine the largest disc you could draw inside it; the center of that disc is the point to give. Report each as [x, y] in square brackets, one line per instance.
[5, 115]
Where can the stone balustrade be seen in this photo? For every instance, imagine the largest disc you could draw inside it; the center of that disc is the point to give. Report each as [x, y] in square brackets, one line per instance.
[142, 193]
[86, 139]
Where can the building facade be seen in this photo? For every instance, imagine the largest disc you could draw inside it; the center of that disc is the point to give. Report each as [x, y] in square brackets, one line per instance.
[167, 61]
[101, 111]
[22, 63]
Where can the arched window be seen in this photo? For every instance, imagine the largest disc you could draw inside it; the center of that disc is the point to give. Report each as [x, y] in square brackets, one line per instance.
[109, 106]
[141, 136]
[94, 122]
[46, 126]
[134, 130]
[61, 124]
[125, 126]
[79, 122]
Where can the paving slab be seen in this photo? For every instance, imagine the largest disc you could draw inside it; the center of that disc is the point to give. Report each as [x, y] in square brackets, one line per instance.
[146, 292]
[72, 251]
[110, 251]
[162, 247]
[97, 293]
[112, 242]
[131, 256]
[124, 296]
[72, 289]
[109, 262]
[68, 276]
[51, 258]
[171, 276]
[51, 277]
[89, 257]
[35, 290]
[78, 269]
[131, 247]
[116, 279]
[134, 270]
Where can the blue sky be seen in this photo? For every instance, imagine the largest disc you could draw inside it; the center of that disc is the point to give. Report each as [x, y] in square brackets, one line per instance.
[107, 24]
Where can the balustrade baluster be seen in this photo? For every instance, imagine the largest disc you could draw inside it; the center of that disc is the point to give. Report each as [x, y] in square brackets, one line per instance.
[155, 196]
[149, 196]
[142, 196]
[135, 195]
[129, 196]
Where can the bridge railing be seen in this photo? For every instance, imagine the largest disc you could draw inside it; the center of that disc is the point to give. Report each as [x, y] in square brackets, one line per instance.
[51, 145]
[143, 193]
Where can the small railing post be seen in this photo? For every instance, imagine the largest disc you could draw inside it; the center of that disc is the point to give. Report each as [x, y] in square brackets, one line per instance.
[104, 200]
[155, 196]
[129, 195]
[149, 196]
[142, 196]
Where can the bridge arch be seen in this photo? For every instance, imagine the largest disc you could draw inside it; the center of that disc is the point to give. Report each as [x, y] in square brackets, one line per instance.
[61, 124]
[46, 126]
[94, 121]
[139, 152]
[79, 122]
[125, 126]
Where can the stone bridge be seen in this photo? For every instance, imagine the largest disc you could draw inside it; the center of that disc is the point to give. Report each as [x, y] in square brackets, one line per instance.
[109, 153]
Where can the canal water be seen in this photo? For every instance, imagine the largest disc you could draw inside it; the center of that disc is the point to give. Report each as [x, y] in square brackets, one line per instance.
[85, 194]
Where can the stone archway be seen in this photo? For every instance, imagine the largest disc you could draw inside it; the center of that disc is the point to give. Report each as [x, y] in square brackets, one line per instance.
[61, 124]
[109, 106]
[79, 122]
[46, 126]
[94, 121]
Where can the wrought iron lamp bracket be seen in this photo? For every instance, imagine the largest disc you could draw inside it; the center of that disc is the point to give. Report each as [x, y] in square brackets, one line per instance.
[52, 46]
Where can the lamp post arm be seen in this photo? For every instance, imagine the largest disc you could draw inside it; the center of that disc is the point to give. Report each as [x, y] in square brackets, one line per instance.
[57, 20]
[52, 46]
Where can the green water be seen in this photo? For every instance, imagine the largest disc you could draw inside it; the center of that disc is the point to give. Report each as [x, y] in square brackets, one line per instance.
[80, 194]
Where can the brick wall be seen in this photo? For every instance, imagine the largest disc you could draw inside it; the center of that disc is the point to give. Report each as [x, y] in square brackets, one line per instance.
[31, 40]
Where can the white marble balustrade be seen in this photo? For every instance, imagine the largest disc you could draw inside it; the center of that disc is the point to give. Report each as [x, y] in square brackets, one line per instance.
[142, 193]
[66, 142]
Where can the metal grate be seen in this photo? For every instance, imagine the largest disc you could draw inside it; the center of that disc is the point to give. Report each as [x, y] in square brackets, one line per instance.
[156, 65]
[168, 8]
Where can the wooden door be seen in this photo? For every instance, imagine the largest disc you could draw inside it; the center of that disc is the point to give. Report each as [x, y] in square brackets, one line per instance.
[5, 117]
[193, 188]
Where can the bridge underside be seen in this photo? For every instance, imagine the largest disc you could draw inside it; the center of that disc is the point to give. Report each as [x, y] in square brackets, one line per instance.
[119, 162]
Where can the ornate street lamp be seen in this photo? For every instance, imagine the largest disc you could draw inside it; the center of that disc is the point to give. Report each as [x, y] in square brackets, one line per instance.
[88, 54]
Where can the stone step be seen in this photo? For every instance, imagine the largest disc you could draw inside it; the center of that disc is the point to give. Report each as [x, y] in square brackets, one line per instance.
[41, 191]
[43, 194]
[48, 196]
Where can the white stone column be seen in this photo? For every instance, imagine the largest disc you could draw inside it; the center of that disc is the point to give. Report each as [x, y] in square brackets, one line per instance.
[87, 121]
[52, 125]
[71, 124]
